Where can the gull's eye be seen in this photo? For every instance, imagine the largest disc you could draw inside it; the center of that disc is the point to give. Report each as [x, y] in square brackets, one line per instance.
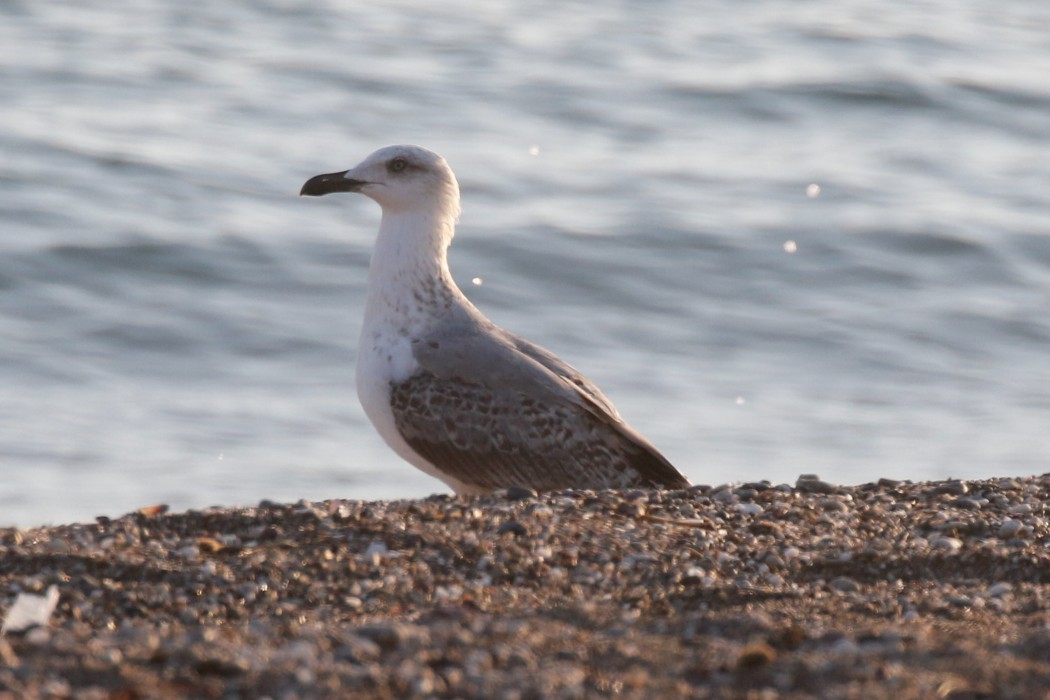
[397, 165]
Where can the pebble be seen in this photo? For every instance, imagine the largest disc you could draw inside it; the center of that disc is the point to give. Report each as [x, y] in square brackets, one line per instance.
[512, 527]
[518, 493]
[190, 551]
[692, 575]
[832, 504]
[844, 585]
[1000, 589]
[810, 483]
[390, 636]
[883, 590]
[954, 488]
[1010, 528]
[967, 503]
[724, 495]
[38, 636]
[950, 544]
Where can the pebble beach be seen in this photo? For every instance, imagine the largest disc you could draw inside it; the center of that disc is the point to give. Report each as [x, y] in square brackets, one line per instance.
[882, 590]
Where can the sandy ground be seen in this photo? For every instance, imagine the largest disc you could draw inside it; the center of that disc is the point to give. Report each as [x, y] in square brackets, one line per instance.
[885, 590]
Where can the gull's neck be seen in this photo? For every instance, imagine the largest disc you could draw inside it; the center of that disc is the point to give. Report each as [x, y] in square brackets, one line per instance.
[409, 283]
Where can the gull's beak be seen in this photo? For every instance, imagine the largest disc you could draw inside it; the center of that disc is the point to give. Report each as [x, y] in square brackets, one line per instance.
[329, 183]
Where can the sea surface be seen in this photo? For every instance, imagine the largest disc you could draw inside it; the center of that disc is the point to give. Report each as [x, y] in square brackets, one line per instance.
[783, 237]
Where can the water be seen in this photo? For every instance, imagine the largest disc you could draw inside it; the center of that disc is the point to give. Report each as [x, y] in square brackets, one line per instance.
[177, 326]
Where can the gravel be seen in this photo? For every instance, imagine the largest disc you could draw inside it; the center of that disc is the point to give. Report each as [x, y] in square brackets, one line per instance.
[886, 590]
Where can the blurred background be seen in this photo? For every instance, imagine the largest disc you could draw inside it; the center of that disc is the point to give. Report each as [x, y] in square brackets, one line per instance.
[783, 237]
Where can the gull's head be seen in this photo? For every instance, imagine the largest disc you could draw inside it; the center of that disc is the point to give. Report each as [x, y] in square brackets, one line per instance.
[399, 178]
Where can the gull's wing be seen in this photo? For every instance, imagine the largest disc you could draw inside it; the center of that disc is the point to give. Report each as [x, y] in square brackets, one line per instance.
[492, 410]
[562, 369]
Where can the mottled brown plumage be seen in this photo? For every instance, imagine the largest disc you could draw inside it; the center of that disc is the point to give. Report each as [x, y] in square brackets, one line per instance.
[496, 439]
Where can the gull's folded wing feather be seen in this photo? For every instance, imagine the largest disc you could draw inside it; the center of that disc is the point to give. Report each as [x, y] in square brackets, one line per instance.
[492, 410]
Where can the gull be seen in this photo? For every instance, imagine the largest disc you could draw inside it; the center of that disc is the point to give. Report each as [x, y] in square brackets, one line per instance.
[451, 392]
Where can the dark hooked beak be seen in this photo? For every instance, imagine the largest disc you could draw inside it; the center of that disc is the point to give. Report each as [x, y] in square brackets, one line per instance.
[329, 183]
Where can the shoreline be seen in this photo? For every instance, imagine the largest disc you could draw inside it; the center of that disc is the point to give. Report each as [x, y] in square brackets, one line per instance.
[890, 589]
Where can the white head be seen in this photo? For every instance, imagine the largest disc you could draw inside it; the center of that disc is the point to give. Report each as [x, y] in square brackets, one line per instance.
[400, 178]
